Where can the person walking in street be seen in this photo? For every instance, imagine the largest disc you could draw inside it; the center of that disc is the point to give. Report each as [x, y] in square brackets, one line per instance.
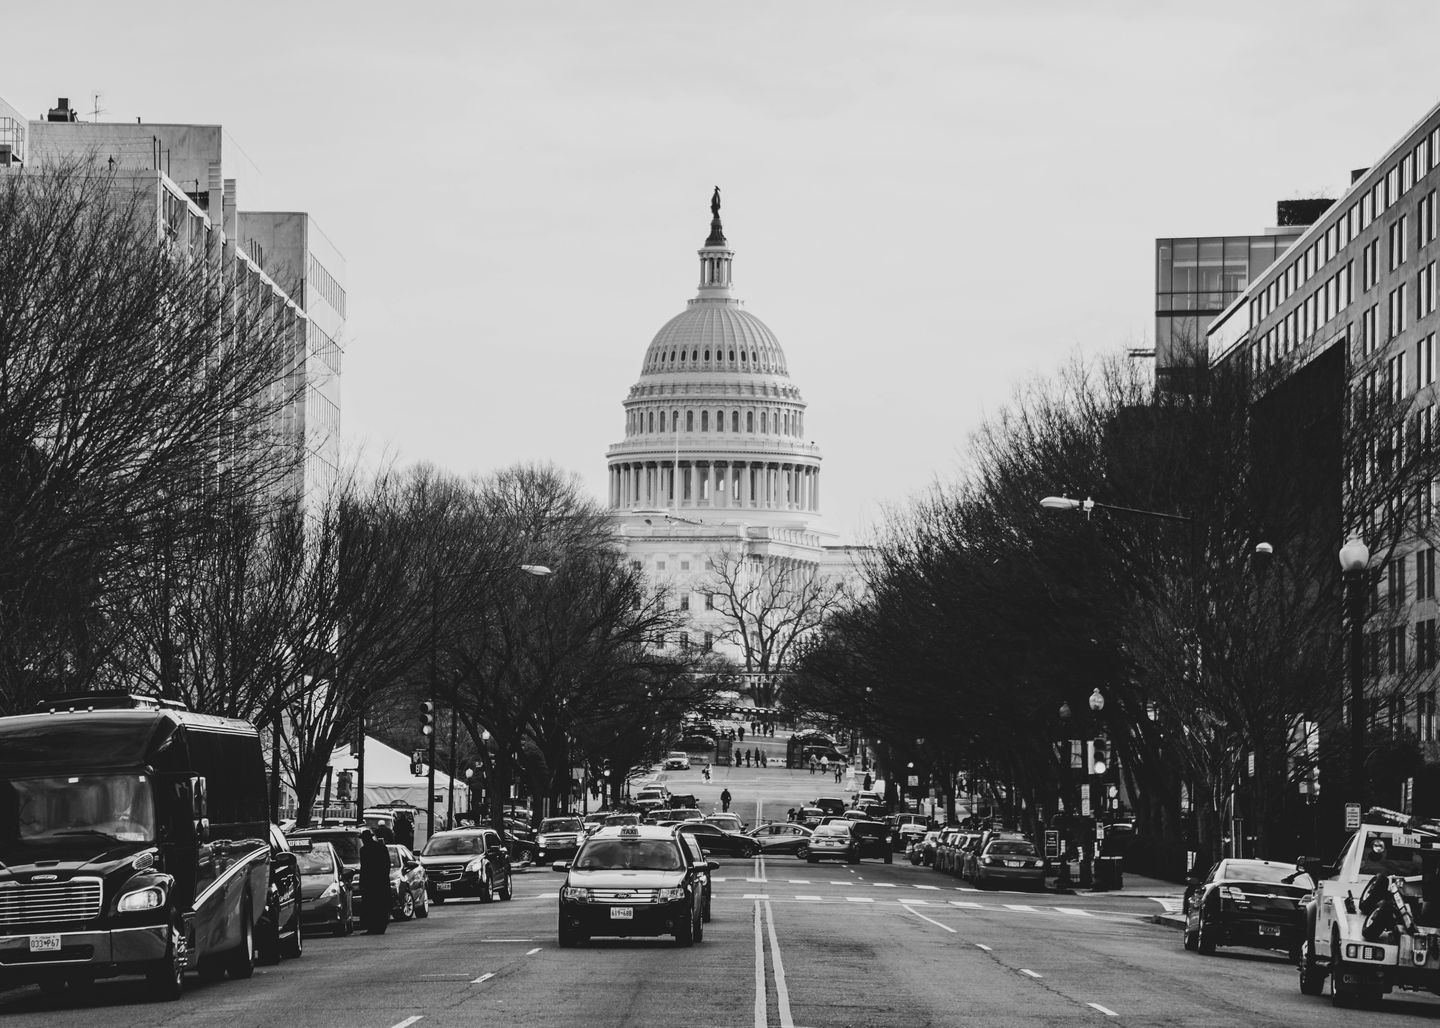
[725, 801]
[374, 884]
[838, 770]
[742, 733]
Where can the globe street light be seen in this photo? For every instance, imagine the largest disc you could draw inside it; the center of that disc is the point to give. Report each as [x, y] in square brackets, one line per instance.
[1354, 559]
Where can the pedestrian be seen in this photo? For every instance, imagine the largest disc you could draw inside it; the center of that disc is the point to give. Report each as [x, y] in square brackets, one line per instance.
[790, 815]
[725, 801]
[742, 733]
[868, 782]
[813, 765]
[825, 765]
[764, 760]
[837, 771]
[706, 772]
[374, 884]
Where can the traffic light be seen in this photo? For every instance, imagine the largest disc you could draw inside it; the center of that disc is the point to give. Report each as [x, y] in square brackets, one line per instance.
[427, 717]
[417, 763]
[1099, 756]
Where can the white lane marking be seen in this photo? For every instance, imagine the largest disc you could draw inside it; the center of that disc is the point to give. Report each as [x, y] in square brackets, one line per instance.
[717, 878]
[842, 883]
[782, 992]
[484, 978]
[814, 899]
[1073, 912]
[1170, 906]
[532, 952]
[411, 1020]
[1019, 906]
[886, 885]
[754, 879]
[1026, 970]
[1104, 1010]
[981, 945]
[755, 896]
[859, 899]
[918, 903]
[507, 940]
[797, 881]
[761, 1020]
[450, 974]
[935, 887]
[966, 904]
[922, 917]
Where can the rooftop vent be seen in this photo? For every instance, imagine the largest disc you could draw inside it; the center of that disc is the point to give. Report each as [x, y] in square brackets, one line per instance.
[62, 111]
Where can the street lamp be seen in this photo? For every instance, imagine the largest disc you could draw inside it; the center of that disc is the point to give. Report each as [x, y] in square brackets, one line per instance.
[537, 570]
[1354, 559]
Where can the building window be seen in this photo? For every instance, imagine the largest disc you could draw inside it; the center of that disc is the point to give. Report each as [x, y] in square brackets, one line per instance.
[1368, 270]
[1398, 229]
[1425, 644]
[735, 416]
[709, 601]
[709, 641]
[659, 565]
[1425, 714]
[635, 565]
[684, 601]
[704, 421]
[662, 421]
[750, 421]
[1425, 361]
[1398, 311]
[1425, 574]
[1395, 591]
[685, 642]
[1425, 291]
[1395, 649]
[689, 421]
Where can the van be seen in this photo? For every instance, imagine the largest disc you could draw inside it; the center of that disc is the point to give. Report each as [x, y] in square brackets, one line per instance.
[135, 836]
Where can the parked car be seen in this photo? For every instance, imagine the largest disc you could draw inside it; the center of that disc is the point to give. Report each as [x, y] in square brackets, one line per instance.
[947, 851]
[715, 840]
[969, 854]
[677, 760]
[907, 835]
[834, 842]
[783, 837]
[278, 932]
[1247, 903]
[467, 862]
[558, 839]
[408, 885]
[922, 850]
[324, 893]
[1009, 861]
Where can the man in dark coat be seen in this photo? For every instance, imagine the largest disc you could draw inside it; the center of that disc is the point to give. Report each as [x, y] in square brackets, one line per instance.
[374, 884]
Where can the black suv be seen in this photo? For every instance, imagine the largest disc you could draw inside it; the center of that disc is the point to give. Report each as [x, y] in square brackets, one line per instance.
[466, 862]
[633, 880]
[873, 838]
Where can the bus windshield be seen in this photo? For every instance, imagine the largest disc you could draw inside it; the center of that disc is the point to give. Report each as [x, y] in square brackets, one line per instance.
[79, 808]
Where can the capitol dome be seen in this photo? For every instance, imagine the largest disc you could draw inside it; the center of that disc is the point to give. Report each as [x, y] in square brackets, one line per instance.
[714, 423]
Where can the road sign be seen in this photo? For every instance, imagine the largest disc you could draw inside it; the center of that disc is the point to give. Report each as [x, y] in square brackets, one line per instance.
[914, 780]
[1052, 843]
[1352, 816]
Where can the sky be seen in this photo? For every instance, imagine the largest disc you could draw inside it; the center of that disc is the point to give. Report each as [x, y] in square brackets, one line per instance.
[931, 204]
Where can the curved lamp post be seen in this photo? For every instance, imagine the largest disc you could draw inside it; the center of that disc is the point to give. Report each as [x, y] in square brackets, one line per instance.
[1354, 559]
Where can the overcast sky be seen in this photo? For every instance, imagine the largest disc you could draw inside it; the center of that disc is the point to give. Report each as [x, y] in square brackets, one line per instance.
[930, 203]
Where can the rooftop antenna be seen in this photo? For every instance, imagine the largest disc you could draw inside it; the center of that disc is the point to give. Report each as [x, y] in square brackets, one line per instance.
[95, 109]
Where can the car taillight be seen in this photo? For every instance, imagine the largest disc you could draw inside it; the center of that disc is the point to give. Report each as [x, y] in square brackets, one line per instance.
[1232, 893]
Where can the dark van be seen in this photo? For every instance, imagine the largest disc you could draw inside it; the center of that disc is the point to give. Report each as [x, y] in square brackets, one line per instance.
[134, 839]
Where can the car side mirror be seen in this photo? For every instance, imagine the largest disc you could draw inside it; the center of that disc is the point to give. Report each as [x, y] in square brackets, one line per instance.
[560, 865]
[411, 865]
[713, 865]
[1315, 868]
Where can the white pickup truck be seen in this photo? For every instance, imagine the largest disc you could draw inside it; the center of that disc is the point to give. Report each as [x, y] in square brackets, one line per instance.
[1373, 921]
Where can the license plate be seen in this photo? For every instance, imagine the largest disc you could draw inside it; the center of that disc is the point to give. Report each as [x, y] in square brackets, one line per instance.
[622, 913]
[1269, 929]
[1014, 863]
[44, 943]
[442, 886]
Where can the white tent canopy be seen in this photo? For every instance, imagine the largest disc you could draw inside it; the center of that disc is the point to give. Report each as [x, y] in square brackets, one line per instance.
[388, 778]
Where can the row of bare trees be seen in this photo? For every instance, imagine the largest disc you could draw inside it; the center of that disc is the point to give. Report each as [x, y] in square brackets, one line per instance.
[989, 620]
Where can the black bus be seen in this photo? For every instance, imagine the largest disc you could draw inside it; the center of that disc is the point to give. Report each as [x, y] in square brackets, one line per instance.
[134, 839]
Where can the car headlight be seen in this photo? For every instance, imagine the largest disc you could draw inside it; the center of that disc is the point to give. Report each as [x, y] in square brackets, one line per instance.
[669, 895]
[475, 865]
[148, 898]
[331, 891]
[575, 893]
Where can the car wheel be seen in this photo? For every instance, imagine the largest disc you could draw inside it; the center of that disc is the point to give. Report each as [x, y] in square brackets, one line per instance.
[407, 907]
[505, 889]
[700, 927]
[422, 907]
[345, 925]
[569, 937]
[802, 851]
[1342, 993]
[705, 910]
[1312, 977]
[1190, 940]
[267, 942]
[165, 979]
[1205, 939]
[685, 933]
[293, 947]
[241, 963]
[486, 895]
[889, 857]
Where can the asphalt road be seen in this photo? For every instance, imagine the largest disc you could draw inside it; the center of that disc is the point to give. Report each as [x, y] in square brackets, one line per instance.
[791, 944]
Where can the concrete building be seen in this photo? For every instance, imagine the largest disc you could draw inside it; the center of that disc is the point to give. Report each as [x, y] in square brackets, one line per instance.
[715, 466]
[1350, 308]
[180, 170]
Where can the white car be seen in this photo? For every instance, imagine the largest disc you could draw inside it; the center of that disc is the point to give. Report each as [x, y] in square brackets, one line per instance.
[677, 761]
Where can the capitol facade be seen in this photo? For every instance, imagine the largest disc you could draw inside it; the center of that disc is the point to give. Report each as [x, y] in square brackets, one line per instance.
[715, 467]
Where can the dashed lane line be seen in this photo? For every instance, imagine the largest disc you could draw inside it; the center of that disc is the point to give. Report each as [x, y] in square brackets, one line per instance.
[483, 978]
[1104, 1010]
[922, 917]
[411, 1020]
[1027, 971]
[859, 899]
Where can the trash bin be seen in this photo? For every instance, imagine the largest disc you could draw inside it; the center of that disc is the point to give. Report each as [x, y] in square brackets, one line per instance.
[1108, 873]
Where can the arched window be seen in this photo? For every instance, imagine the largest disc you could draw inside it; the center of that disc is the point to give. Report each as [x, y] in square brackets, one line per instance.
[764, 422]
[662, 421]
[749, 414]
[707, 355]
[651, 428]
[734, 421]
[732, 356]
[689, 421]
[704, 421]
[694, 355]
[742, 356]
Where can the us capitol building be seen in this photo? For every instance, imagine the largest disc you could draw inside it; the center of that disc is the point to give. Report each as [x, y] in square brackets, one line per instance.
[715, 463]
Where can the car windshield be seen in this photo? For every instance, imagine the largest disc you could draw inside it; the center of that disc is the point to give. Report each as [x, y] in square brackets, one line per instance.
[316, 862]
[453, 846]
[630, 855]
[1239, 871]
[623, 819]
[78, 808]
[1391, 854]
[1013, 849]
[560, 824]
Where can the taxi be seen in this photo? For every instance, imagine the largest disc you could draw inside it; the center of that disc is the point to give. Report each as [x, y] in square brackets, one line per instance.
[633, 880]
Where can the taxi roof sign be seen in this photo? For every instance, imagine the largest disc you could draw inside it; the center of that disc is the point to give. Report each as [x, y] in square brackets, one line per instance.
[629, 830]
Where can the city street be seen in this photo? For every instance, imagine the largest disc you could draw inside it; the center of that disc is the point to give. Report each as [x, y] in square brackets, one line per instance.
[790, 944]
